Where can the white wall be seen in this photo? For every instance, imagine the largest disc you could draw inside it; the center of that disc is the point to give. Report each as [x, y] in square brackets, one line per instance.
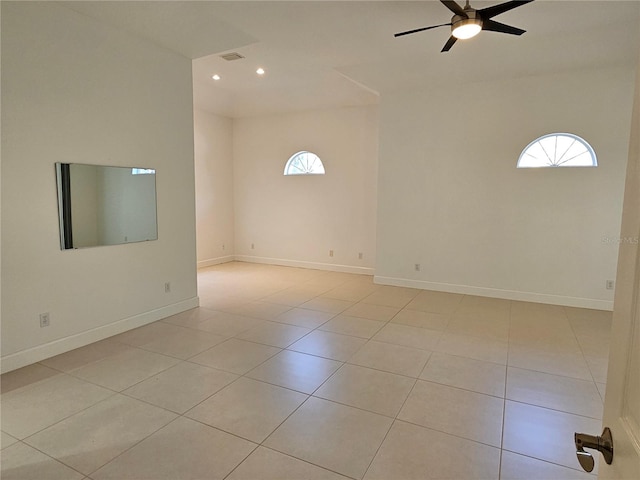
[296, 220]
[451, 199]
[214, 188]
[75, 90]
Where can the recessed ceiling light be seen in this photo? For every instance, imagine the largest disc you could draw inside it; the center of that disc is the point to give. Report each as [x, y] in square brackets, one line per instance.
[216, 77]
[260, 71]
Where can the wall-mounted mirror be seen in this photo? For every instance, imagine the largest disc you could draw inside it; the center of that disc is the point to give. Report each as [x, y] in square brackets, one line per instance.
[101, 205]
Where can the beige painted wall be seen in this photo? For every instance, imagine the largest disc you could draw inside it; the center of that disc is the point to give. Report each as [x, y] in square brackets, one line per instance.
[214, 188]
[451, 199]
[296, 220]
[75, 90]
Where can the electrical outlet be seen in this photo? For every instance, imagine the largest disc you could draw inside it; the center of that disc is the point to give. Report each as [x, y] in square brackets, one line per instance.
[360, 255]
[331, 253]
[45, 320]
[611, 284]
[417, 267]
[167, 287]
[223, 246]
[253, 246]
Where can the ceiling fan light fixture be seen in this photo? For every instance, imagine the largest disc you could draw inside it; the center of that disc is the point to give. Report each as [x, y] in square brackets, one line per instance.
[466, 28]
[467, 21]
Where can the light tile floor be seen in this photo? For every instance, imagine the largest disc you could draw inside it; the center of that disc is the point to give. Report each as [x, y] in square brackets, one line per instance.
[288, 373]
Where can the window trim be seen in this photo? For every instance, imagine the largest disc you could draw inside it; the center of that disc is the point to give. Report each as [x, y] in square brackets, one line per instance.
[576, 138]
[288, 166]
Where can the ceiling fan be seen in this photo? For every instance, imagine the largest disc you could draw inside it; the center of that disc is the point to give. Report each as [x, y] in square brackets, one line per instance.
[467, 22]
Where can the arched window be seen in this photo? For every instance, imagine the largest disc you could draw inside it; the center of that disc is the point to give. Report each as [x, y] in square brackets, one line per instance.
[558, 150]
[304, 163]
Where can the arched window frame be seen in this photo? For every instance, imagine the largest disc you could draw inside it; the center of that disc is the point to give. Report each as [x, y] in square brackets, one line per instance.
[304, 163]
[557, 162]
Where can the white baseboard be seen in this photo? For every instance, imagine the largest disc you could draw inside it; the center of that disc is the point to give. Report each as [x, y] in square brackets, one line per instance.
[63, 345]
[313, 265]
[498, 293]
[215, 261]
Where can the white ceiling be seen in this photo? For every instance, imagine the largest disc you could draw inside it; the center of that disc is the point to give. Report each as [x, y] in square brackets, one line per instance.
[323, 54]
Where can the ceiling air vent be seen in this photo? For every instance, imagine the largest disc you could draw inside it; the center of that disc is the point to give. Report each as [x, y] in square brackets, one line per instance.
[231, 56]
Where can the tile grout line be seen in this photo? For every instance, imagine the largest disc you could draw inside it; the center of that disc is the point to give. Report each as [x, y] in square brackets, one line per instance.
[332, 375]
[20, 442]
[504, 401]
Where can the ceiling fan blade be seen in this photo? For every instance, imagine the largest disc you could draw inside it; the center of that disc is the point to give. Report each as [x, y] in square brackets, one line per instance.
[493, 26]
[449, 44]
[409, 32]
[489, 12]
[454, 7]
